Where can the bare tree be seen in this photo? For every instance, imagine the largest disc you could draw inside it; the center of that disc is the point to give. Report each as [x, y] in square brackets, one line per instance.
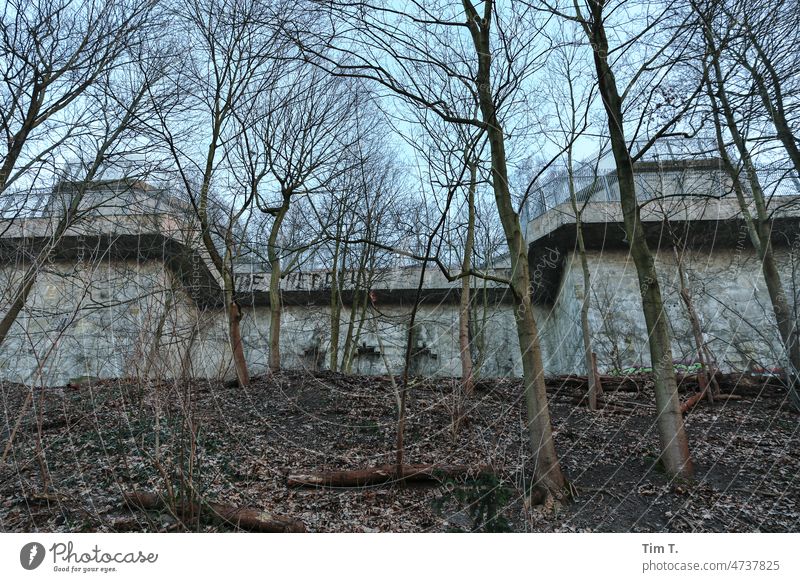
[572, 99]
[233, 56]
[54, 51]
[360, 219]
[305, 134]
[451, 157]
[759, 222]
[431, 56]
[642, 25]
[762, 39]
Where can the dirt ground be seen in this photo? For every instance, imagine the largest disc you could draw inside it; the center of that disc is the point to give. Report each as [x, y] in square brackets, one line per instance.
[98, 441]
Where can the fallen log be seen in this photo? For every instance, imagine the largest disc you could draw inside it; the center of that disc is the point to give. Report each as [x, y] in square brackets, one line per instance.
[609, 383]
[247, 518]
[385, 474]
[691, 402]
[721, 397]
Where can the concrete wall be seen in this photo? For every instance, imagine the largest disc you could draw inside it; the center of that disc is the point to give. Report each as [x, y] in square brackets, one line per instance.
[727, 290]
[112, 318]
[94, 313]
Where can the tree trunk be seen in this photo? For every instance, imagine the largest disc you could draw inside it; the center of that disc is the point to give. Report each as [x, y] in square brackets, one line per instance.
[247, 518]
[588, 353]
[349, 347]
[20, 298]
[358, 303]
[275, 310]
[234, 314]
[708, 384]
[672, 435]
[547, 473]
[464, 306]
[159, 331]
[759, 228]
[275, 301]
[385, 474]
[358, 320]
[336, 305]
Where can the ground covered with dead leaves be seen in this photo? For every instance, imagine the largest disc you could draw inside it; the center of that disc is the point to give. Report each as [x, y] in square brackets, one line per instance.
[79, 449]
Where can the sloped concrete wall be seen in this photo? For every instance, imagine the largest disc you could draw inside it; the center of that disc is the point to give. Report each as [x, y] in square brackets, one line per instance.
[728, 293]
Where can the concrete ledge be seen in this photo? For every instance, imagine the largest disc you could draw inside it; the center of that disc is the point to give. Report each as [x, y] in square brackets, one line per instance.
[701, 222]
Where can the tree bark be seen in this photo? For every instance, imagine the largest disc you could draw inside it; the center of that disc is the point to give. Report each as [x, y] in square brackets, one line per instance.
[464, 343]
[672, 435]
[547, 473]
[385, 474]
[247, 518]
[275, 300]
[336, 303]
[708, 384]
[234, 329]
[20, 299]
[358, 303]
[588, 353]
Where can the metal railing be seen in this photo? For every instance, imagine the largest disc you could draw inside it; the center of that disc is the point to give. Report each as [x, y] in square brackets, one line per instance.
[102, 198]
[655, 180]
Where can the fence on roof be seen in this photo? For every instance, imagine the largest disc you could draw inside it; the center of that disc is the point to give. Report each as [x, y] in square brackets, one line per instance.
[666, 171]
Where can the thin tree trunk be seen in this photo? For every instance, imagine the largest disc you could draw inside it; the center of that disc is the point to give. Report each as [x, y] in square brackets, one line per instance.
[706, 378]
[547, 473]
[588, 353]
[159, 331]
[275, 310]
[358, 297]
[672, 435]
[776, 113]
[17, 141]
[464, 306]
[759, 227]
[336, 305]
[20, 298]
[234, 314]
[275, 301]
[347, 352]
[359, 317]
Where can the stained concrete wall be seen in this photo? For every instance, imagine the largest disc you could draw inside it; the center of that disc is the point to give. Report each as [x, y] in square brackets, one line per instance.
[113, 318]
[117, 308]
[132, 318]
[727, 290]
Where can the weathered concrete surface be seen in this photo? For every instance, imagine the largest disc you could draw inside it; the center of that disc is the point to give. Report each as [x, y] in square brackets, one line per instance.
[722, 270]
[715, 226]
[728, 292]
[128, 295]
[109, 318]
[128, 290]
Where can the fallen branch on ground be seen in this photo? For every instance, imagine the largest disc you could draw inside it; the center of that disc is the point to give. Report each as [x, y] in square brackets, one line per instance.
[247, 518]
[385, 474]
